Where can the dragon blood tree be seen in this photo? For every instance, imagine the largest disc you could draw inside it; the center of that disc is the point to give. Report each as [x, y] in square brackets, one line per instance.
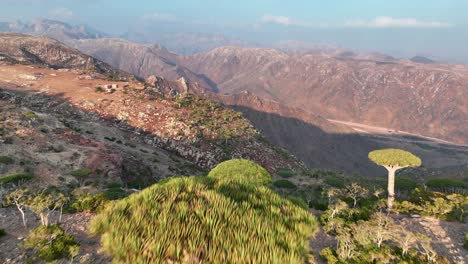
[393, 160]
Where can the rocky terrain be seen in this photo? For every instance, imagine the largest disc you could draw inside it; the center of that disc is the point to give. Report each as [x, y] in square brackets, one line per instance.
[158, 109]
[185, 42]
[430, 97]
[326, 90]
[24, 49]
[330, 144]
[140, 59]
[305, 130]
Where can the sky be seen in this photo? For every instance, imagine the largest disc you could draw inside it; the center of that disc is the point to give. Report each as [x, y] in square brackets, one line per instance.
[436, 28]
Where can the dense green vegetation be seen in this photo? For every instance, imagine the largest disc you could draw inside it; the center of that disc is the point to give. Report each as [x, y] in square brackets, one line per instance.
[2, 232]
[441, 205]
[285, 173]
[446, 185]
[365, 234]
[6, 160]
[51, 243]
[219, 218]
[15, 178]
[284, 184]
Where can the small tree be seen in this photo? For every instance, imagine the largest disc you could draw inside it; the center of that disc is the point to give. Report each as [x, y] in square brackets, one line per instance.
[19, 198]
[355, 192]
[44, 203]
[393, 160]
[81, 175]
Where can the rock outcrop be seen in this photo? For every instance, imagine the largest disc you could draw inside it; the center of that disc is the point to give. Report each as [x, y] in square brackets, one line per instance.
[23, 49]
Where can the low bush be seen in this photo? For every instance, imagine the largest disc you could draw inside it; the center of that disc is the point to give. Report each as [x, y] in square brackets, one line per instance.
[3, 233]
[285, 173]
[284, 184]
[30, 115]
[114, 193]
[89, 203]
[15, 178]
[335, 181]
[99, 89]
[6, 160]
[329, 255]
[447, 185]
[80, 173]
[465, 244]
[405, 184]
[51, 243]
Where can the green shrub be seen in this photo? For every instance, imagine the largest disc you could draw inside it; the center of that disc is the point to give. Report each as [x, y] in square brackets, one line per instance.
[205, 219]
[335, 181]
[3, 233]
[299, 202]
[445, 183]
[465, 244]
[285, 173]
[284, 184]
[81, 173]
[99, 89]
[115, 193]
[114, 185]
[6, 160]
[15, 178]
[241, 171]
[329, 255]
[30, 115]
[405, 184]
[89, 203]
[51, 243]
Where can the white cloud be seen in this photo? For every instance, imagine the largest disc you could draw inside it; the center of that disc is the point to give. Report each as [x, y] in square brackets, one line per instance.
[390, 22]
[61, 13]
[281, 20]
[159, 17]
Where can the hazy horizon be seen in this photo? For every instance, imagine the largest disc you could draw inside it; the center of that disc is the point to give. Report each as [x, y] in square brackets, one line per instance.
[434, 29]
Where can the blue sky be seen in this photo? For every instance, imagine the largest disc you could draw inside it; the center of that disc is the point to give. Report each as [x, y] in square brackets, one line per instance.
[438, 28]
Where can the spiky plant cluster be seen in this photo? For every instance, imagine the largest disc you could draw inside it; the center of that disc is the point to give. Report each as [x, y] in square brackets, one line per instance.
[209, 120]
[205, 220]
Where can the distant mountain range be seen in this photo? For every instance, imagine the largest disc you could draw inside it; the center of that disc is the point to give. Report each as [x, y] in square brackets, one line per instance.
[327, 105]
[52, 29]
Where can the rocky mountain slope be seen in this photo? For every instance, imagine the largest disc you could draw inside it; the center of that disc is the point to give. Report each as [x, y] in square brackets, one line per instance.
[140, 59]
[65, 125]
[184, 42]
[426, 99]
[24, 49]
[328, 89]
[322, 143]
[161, 113]
[329, 144]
